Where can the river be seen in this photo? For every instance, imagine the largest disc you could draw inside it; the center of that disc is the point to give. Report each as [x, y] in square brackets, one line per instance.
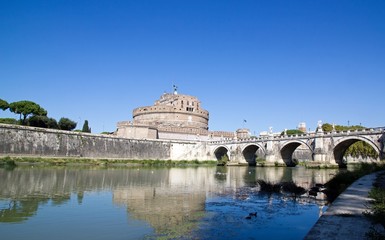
[83, 202]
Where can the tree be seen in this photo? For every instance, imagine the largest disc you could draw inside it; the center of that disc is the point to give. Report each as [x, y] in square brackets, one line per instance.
[66, 124]
[85, 127]
[26, 108]
[52, 123]
[38, 121]
[327, 127]
[362, 149]
[4, 105]
[290, 132]
[43, 122]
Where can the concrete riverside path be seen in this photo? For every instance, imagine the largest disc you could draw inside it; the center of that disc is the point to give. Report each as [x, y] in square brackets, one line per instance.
[345, 219]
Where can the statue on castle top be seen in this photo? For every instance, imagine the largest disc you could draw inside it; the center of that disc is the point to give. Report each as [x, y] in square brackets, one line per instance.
[175, 89]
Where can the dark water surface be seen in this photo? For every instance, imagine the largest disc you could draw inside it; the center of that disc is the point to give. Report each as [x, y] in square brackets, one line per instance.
[155, 203]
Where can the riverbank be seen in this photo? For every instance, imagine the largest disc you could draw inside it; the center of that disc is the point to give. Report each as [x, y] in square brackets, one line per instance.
[14, 161]
[345, 218]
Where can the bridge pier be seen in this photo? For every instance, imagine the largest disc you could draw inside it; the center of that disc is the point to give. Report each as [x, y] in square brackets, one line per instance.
[237, 157]
[320, 153]
[273, 154]
[272, 159]
[323, 149]
[321, 157]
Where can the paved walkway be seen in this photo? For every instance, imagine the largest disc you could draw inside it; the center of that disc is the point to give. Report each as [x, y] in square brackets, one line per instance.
[344, 219]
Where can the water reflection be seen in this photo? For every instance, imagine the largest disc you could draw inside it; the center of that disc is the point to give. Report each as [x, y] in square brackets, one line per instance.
[174, 201]
[17, 211]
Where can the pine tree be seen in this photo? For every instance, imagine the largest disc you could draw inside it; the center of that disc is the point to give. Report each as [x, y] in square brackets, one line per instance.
[85, 127]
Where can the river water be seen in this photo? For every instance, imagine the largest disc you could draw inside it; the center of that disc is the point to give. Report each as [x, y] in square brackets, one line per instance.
[78, 202]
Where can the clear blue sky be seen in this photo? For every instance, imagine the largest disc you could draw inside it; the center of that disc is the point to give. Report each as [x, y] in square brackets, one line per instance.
[272, 63]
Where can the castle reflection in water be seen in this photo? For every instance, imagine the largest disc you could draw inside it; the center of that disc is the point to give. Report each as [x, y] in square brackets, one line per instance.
[166, 198]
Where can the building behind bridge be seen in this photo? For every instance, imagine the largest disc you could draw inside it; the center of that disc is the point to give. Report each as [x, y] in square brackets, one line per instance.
[174, 116]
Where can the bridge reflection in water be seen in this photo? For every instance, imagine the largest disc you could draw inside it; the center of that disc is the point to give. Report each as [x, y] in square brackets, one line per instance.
[171, 200]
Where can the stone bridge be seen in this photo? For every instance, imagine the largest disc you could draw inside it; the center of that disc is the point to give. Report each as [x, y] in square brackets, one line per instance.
[325, 147]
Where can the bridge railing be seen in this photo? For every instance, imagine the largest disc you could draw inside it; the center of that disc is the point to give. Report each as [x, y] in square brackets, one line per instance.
[364, 130]
[300, 136]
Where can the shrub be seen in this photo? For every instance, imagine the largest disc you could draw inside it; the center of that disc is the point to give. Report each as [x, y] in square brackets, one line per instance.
[9, 121]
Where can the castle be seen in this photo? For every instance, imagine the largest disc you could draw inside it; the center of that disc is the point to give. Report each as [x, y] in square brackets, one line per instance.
[173, 116]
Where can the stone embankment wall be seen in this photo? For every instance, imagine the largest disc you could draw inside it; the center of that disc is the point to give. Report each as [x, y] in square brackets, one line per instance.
[39, 142]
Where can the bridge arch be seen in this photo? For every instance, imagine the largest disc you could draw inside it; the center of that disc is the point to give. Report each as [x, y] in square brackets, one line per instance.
[343, 144]
[288, 149]
[222, 153]
[251, 152]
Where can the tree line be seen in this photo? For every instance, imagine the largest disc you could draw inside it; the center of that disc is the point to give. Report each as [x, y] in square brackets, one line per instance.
[32, 114]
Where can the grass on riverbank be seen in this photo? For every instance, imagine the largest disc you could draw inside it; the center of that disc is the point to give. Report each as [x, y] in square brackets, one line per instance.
[377, 213]
[14, 161]
[378, 208]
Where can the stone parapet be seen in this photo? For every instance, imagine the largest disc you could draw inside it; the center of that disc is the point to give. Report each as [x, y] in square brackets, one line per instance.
[222, 134]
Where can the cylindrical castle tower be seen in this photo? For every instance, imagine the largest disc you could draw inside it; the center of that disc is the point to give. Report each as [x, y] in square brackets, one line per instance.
[173, 110]
[173, 116]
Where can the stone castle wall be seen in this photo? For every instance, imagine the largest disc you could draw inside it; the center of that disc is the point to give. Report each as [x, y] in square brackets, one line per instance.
[39, 142]
[128, 130]
[172, 118]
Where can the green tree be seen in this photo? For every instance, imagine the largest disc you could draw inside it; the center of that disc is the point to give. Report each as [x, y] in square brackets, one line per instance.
[38, 121]
[362, 149]
[52, 123]
[26, 108]
[86, 128]
[292, 132]
[43, 122]
[327, 127]
[66, 124]
[4, 105]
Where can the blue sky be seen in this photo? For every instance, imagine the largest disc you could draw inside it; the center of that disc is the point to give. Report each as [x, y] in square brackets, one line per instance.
[273, 63]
